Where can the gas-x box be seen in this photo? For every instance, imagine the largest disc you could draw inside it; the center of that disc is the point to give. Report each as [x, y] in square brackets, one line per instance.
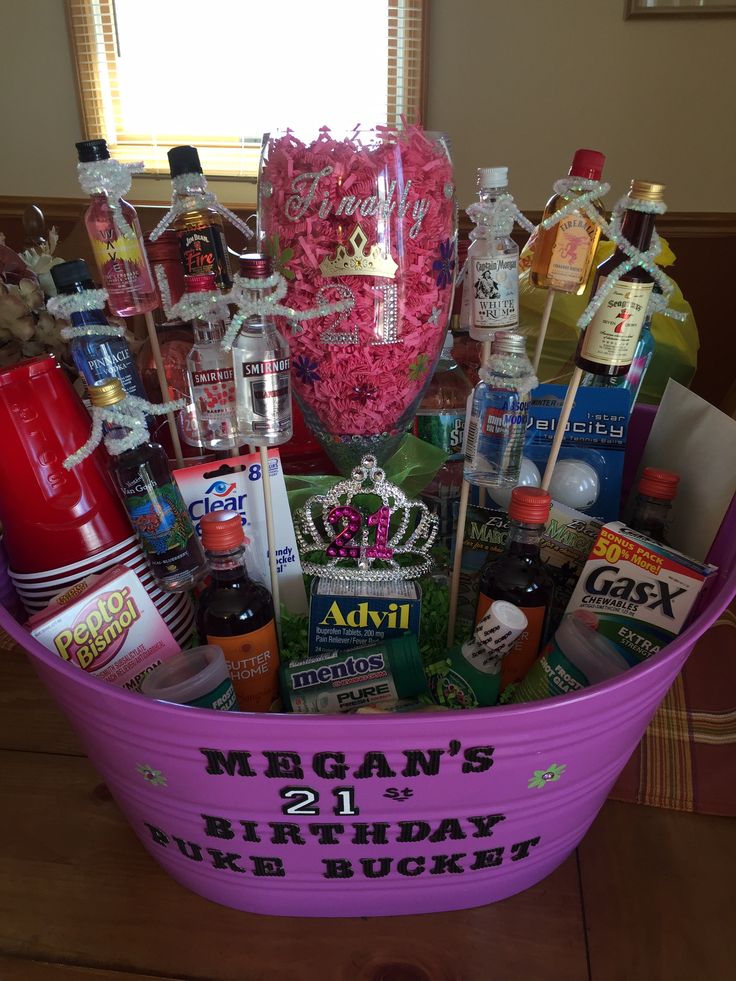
[108, 626]
[635, 592]
[346, 615]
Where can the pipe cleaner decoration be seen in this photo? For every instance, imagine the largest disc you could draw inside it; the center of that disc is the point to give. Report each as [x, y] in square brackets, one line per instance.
[129, 414]
[63, 306]
[195, 186]
[269, 304]
[110, 177]
[493, 219]
[593, 190]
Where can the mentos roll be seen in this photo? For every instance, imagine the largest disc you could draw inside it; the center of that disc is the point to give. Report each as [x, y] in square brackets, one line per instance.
[343, 682]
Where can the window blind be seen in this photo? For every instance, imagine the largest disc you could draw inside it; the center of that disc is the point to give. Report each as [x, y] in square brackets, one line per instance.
[105, 104]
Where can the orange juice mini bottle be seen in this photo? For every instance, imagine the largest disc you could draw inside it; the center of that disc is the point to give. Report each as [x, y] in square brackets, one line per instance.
[563, 254]
[236, 613]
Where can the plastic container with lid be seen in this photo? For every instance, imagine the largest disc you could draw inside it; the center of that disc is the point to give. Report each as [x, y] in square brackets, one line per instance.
[385, 672]
[197, 677]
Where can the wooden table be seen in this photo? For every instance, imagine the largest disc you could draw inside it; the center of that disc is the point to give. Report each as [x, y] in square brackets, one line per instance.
[649, 895]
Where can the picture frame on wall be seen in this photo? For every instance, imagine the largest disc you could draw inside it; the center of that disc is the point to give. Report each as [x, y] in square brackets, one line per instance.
[679, 8]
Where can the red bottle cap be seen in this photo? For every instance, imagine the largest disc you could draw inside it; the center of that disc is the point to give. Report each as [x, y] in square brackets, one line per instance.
[200, 284]
[222, 531]
[530, 505]
[661, 484]
[256, 265]
[587, 164]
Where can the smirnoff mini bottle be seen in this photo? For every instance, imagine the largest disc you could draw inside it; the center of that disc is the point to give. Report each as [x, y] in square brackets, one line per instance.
[210, 379]
[262, 370]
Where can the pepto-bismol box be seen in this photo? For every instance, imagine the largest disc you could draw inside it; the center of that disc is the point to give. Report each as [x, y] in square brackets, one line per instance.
[111, 629]
[345, 615]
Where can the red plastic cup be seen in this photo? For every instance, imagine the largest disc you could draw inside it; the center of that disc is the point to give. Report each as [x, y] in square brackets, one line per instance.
[52, 517]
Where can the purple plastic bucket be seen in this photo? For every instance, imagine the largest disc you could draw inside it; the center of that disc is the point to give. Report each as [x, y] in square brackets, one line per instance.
[369, 815]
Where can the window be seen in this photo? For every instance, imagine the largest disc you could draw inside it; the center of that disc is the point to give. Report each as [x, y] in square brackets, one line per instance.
[156, 73]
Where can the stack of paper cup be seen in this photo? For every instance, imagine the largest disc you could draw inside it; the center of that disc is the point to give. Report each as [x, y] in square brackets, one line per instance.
[36, 590]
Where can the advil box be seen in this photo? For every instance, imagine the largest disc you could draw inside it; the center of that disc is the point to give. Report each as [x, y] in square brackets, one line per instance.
[346, 615]
[108, 627]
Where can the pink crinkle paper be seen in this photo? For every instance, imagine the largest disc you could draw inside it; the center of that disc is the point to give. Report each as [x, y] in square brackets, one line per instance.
[312, 196]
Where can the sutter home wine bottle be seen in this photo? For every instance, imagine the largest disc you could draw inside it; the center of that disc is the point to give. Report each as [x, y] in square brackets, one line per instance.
[237, 614]
[519, 577]
[608, 344]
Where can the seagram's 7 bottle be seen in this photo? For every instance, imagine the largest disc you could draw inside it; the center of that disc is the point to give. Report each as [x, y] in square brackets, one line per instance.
[261, 369]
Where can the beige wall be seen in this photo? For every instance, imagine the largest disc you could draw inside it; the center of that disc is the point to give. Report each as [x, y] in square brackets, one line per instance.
[511, 81]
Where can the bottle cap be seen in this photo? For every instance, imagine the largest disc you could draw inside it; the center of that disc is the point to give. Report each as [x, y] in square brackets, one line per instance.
[107, 391]
[646, 191]
[256, 265]
[72, 277]
[587, 164]
[200, 284]
[184, 160]
[493, 177]
[222, 531]
[507, 342]
[661, 484]
[90, 150]
[530, 505]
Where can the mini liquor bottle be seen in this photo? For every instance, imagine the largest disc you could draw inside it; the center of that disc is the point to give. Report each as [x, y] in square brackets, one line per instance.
[237, 614]
[154, 504]
[97, 355]
[202, 244]
[656, 491]
[491, 287]
[497, 414]
[210, 379]
[440, 420]
[117, 244]
[563, 254]
[608, 344]
[519, 577]
[262, 370]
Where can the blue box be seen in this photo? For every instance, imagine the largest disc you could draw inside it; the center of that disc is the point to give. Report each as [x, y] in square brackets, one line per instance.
[346, 615]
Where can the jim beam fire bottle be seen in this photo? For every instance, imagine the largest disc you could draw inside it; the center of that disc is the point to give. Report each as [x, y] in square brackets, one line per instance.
[202, 244]
[607, 345]
[563, 254]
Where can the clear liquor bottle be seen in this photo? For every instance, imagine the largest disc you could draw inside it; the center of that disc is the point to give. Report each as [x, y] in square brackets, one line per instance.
[210, 379]
[262, 370]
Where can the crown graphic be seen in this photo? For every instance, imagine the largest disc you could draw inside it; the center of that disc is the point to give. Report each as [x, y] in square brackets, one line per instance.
[359, 262]
[362, 538]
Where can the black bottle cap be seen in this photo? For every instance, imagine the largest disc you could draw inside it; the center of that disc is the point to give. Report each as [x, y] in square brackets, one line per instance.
[184, 160]
[72, 277]
[91, 150]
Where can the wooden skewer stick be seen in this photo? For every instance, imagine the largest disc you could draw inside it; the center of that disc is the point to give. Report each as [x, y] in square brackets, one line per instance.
[457, 562]
[546, 313]
[572, 391]
[271, 536]
[164, 386]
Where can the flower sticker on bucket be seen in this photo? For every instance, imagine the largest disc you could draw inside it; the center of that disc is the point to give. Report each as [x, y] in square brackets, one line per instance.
[152, 776]
[552, 773]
